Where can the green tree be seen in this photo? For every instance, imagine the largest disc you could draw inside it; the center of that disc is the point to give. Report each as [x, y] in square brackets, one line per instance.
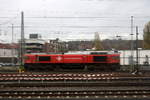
[146, 36]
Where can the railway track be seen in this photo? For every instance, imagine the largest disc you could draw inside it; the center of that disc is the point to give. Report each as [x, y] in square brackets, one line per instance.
[74, 73]
[70, 86]
[53, 80]
[72, 77]
[134, 94]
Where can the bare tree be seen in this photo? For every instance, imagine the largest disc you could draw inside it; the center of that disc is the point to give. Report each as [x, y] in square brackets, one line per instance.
[97, 42]
[146, 36]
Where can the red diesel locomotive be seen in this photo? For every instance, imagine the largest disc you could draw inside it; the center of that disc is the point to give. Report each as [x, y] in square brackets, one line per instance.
[91, 61]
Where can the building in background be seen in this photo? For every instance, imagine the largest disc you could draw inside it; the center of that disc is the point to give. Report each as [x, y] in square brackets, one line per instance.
[56, 46]
[8, 53]
[34, 44]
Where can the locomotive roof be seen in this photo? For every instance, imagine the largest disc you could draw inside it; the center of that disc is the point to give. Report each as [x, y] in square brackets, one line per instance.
[81, 52]
[45, 53]
[91, 52]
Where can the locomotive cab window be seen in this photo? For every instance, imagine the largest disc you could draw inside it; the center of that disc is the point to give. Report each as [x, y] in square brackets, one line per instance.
[99, 58]
[44, 58]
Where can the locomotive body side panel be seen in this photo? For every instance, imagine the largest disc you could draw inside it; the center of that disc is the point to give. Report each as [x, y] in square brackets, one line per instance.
[29, 59]
[114, 58]
[75, 59]
[56, 59]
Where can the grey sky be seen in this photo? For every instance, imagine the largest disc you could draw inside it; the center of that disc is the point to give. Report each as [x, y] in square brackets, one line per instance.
[73, 19]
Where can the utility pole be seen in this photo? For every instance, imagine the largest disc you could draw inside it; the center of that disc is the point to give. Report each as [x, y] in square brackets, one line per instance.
[132, 53]
[22, 41]
[12, 41]
[0, 30]
[137, 53]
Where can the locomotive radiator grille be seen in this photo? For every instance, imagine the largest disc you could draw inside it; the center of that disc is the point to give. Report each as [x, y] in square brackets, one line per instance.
[99, 58]
[44, 58]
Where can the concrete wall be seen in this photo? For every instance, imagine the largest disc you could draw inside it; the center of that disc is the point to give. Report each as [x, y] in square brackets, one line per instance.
[8, 53]
[125, 54]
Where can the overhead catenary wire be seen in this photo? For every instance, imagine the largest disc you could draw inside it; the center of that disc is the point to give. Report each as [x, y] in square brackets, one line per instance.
[9, 20]
[74, 17]
[30, 23]
[29, 26]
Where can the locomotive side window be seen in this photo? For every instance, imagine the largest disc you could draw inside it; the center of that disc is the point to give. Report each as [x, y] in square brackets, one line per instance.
[99, 58]
[44, 58]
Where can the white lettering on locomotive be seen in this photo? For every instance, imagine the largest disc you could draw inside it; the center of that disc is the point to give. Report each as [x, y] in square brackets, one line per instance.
[72, 58]
[59, 58]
